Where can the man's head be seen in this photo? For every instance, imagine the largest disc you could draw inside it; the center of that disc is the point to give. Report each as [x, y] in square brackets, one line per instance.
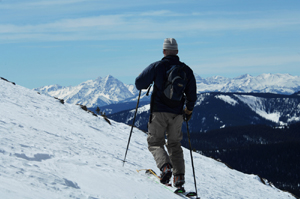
[170, 47]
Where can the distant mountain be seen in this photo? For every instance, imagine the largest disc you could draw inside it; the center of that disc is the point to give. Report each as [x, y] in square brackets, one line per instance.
[219, 110]
[98, 92]
[109, 90]
[265, 83]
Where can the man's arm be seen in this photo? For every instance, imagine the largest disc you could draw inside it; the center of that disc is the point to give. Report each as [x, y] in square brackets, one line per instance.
[191, 92]
[144, 80]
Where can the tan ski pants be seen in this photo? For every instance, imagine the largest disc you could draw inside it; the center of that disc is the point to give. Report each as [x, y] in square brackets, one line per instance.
[168, 124]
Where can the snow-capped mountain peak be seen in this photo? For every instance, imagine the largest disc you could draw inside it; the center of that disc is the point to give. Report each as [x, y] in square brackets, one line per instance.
[98, 92]
[245, 76]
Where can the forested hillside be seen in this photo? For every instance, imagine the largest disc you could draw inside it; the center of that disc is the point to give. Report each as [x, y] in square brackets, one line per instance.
[268, 152]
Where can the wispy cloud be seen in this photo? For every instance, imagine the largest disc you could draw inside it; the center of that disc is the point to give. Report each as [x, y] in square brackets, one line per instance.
[37, 4]
[54, 2]
[76, 4]
[257, 63]
[161, 13]
[137, 25]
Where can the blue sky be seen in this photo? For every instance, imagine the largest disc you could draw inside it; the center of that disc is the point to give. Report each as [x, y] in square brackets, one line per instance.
[66, 42]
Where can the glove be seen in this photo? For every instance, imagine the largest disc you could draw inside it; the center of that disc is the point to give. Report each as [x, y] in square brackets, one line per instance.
[188, 114]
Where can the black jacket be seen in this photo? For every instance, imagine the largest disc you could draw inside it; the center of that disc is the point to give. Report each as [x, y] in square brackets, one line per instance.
[156, 72]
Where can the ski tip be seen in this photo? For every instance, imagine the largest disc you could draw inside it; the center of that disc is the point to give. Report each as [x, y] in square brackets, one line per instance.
[150, 171]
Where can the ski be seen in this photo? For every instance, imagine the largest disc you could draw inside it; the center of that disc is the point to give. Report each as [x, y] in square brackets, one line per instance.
[178, 191]
[181, 191]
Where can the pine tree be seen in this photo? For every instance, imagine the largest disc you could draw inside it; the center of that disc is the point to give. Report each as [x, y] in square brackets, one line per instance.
[98, 110]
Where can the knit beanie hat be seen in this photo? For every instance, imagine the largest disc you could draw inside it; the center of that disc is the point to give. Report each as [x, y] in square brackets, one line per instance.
[170, 44]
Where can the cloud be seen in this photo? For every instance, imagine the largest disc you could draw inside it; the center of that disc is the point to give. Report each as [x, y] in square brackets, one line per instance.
[142, 25]
[54, 2]
[249, 63]
[160, 13]
[64, 26]
[76, 5]
[36, 4]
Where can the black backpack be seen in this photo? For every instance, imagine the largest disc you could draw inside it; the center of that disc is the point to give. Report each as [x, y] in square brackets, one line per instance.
[174, 86]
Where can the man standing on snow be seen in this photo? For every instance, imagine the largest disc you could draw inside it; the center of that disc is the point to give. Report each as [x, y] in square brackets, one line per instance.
[166, 119]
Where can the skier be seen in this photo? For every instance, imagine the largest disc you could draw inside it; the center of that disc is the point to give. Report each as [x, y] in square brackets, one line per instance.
[166, 119]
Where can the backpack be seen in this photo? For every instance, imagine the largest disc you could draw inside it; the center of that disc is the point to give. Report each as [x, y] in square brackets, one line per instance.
[174, 86]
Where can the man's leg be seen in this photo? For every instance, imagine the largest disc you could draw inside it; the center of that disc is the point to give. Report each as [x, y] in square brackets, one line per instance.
[156, 139]
[174, 136]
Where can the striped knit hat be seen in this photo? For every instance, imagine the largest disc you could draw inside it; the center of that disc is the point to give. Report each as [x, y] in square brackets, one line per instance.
[170, 44]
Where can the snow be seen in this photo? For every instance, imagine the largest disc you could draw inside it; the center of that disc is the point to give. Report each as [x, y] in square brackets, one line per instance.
[294, 119]
[227, 99]
[51, 150]
[257, 105]
[142, 109]
[201, 99]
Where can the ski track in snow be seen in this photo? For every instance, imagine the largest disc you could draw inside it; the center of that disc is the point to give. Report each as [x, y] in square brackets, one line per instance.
[53, 150]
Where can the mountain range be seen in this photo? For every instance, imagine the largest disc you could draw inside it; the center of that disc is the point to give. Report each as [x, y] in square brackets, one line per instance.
[109, 90]
[264, 83]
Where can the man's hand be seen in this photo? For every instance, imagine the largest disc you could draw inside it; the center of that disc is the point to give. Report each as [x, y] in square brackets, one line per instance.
[188, 114]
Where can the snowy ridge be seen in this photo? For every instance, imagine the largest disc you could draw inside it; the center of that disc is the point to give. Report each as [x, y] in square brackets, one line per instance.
[53, 150]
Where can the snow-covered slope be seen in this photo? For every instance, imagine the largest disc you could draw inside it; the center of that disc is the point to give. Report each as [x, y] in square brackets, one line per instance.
[98, 92]
[53, 150]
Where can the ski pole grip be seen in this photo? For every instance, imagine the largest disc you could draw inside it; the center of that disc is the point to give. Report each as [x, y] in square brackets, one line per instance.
[148, 90]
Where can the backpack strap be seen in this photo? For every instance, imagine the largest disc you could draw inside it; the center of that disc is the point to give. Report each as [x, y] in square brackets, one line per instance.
[152, 102]
[154, 92]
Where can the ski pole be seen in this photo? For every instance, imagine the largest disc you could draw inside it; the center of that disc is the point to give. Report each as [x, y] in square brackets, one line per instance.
[188, 134]
[132, 126]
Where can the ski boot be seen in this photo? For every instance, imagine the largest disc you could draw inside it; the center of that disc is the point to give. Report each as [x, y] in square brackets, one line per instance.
[166, 173]
[178, 181]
